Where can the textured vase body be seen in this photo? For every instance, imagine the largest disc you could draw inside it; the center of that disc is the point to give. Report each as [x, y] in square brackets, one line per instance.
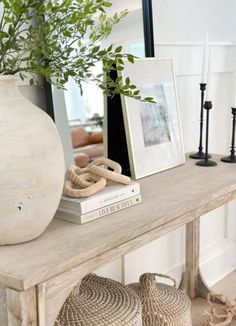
[31, 166]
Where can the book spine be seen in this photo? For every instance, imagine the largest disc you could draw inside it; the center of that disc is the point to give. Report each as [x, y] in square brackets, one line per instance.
[97, 202]
[98, 213]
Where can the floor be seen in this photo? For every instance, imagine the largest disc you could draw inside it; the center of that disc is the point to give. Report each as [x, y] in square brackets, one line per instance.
[227, 287]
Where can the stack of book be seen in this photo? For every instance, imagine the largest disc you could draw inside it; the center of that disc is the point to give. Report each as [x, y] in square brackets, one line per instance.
[112, 198]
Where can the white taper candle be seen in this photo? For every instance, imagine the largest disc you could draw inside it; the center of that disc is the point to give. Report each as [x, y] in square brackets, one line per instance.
[205, 55]
[234, 90]
[209, 79]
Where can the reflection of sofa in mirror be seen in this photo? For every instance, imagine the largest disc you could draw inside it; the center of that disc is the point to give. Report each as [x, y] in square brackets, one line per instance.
[87, 144]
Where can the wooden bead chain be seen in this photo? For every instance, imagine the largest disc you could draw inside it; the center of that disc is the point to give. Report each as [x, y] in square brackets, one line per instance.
[74, 174]
[110, 175]
[71, 191]
[93, 178]
[107, 163]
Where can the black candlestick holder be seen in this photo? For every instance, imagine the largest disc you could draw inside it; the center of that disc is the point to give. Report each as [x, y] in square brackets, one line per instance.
[206, 161]
[231, 158]
[200, 154]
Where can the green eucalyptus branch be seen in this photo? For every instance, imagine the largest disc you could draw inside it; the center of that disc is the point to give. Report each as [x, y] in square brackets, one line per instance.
[61, 39]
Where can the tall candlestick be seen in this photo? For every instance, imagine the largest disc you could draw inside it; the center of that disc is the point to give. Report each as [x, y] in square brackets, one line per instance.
[232, 157]
[234, 90]
[200, 154]
[206, 161]
[205, 60]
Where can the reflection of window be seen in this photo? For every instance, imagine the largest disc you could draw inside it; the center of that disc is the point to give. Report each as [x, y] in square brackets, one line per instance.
[137, 49]
[129, 31]
[81, 108]
[129, 34]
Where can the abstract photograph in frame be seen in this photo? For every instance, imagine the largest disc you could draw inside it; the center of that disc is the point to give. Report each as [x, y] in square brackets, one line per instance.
[153, 130]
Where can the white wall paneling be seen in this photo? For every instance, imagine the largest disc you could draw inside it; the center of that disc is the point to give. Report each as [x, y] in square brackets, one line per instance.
[180, 28]
[188, 20]
[113, 270]
[161, 255]
[167, 255]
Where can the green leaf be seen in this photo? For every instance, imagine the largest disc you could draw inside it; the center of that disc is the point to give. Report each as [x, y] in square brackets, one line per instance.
[3, 34]
[149, 99]
[68, 3]
[130, 58]
[42, 9]
[49, 5]
[31, 82]
[127, 81]
[10, 30]
[109, 48]
[118, 49]
[95, 49]
[67, 33]
[6, 4]
[8, 20]
[102, 53]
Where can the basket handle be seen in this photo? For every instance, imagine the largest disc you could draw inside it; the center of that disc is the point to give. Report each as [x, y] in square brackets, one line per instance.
[149, 279]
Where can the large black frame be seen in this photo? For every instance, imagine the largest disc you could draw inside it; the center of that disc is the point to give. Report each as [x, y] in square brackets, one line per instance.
[117, 148]
[149, 50]
[148, 28]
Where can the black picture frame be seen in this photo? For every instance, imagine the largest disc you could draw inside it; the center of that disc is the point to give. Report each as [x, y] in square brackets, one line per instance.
[49, 100]
[117, 148]
[148, 28]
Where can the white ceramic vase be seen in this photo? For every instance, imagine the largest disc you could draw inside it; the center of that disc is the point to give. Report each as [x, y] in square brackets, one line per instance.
[31, 166]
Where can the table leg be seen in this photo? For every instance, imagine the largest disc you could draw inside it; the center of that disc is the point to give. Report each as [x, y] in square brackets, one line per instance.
[21, 307]
[192, 282]
[52, 294]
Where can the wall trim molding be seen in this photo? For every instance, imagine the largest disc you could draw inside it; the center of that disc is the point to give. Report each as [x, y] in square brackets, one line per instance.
[216, 262]
[199, 74]
[193, 44]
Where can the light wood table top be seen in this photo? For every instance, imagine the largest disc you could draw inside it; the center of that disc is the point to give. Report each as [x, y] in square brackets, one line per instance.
[169, 199]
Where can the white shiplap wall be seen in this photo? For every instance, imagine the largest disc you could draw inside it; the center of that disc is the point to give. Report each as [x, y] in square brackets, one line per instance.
[180, 27]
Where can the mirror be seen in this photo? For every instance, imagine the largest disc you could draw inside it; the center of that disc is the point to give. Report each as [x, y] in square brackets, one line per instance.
[79, 118]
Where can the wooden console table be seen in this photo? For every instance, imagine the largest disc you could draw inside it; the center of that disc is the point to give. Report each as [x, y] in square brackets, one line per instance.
[36, 277]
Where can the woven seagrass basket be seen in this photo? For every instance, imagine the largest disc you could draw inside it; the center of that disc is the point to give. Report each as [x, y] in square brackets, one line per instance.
[100, 301]
[162, 304]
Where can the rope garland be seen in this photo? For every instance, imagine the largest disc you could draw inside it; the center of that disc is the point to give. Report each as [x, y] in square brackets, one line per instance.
[221, 318]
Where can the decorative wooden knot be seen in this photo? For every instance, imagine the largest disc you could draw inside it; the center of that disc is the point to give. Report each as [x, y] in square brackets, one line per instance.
[76, 176]
[110, 175]
[70, 189]
[87, 181]
[107, 164]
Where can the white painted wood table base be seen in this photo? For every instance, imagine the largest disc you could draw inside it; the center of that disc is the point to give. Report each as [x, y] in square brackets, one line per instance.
[36, 277]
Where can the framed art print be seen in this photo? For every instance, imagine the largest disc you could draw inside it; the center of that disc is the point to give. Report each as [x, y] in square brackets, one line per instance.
[153, 130]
